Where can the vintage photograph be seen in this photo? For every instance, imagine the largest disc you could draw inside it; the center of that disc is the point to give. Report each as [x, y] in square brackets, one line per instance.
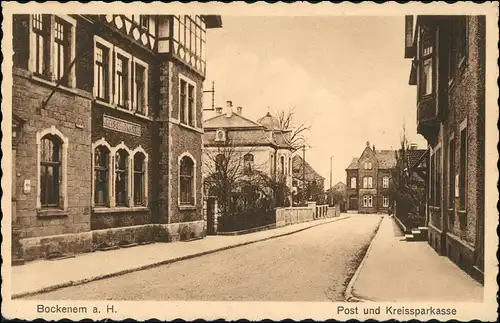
[212, 157]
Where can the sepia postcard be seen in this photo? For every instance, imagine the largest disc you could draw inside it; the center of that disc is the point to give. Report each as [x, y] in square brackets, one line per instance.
[250, 161]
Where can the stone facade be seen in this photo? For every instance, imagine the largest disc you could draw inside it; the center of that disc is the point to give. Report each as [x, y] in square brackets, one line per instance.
[455, 134]
[369, 180]
[90, 110]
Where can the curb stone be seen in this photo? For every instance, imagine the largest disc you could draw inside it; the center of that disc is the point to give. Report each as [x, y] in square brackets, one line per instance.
[160, 263]
[349, 294]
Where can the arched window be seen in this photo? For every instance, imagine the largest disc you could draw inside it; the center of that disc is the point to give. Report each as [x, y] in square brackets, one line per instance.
[139, 179]
[219, 162]
[101, 176]
[367, 182]
[186, 181]
[353, 182]
[385, 182]
[282, 159]
[50, 170]
[121, 177]
[248, 163]
[367, 201]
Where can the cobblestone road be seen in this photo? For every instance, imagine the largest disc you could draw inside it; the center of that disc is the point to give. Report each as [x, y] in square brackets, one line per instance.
[312, 265]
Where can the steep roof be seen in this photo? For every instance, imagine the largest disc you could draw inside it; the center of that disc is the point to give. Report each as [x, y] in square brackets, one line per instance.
[414, 156]
[234, 121]
[353, 164]
[386, 158]
[310, 173]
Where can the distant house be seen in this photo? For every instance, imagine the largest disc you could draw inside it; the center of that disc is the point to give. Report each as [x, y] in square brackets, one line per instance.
[337, 194]
[305, 178]
[369, 180]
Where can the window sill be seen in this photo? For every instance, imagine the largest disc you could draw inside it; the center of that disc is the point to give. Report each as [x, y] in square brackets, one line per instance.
[191, 127]
[187, 207]
[119, 209]
[51, 213]
[115, 107]
[61, 87]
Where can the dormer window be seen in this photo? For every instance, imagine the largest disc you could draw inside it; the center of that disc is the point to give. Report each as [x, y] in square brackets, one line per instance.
[426, 74]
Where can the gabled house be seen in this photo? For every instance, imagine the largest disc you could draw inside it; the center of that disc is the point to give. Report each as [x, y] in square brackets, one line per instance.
[369, 180]
[306, 179]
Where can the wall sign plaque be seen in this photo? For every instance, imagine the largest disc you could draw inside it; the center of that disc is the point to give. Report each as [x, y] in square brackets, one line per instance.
[121, 125]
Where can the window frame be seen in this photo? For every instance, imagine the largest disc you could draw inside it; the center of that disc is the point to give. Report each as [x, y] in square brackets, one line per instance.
[435, 191]
[385, 201]
[145, 178]
[95, 146]
[193, 186]
[63, 185]
[423, 57]
[248, 165]
[189, 82]
[355, 182]
[98, 41]
[136, 61]
[385, 182]
[451, 172]
[49, 69]
[463, 195]
[127, 101]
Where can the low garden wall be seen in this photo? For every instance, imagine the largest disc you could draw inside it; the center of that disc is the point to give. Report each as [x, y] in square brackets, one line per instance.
[293, 215]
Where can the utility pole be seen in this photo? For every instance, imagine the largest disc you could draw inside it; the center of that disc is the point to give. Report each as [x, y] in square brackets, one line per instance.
[331, 184]
[304, 173]
[213, 97]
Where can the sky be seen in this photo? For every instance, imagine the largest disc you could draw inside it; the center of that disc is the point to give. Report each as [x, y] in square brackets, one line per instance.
[346, 77]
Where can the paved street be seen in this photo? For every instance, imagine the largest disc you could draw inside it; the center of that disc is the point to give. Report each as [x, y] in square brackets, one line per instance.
[312, 265]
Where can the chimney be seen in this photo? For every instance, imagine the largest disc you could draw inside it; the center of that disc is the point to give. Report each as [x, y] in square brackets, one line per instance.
[367, 144]
[218, 110]
[239, 110]
[229, 108]
[373, 148]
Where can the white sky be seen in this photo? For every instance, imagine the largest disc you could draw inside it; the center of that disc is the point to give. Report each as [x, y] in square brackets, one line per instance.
[346, 76]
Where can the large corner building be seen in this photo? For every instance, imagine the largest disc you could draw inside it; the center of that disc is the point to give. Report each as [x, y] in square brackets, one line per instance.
[107, 131]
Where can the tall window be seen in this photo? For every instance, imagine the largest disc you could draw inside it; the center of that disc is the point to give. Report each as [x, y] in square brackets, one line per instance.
[101, 173]
[385, 182]
[457, 45]
[50, 171]
[40, 30]
[145, 22]
[368, 182]
[187, 102]
[139, 89]
[62, 50]
[426, 68]
[121, 80]
[290, 166]
[463, 170]
[187, 181]
[451, 175]
[282, 161]
[102, 70]
[385, 201]
[139, 179]
[121, 177]
[183, 101]
[353, 182]
[436, 178]
[190, 106]
[367, 201]
[189, 33]
[248, 161]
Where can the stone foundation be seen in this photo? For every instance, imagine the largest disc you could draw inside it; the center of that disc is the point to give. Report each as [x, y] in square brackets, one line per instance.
[71, 244]
[64, 244]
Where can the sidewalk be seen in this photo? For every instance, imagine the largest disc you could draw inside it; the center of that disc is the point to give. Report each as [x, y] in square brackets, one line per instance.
[45, 275]
[398, 270]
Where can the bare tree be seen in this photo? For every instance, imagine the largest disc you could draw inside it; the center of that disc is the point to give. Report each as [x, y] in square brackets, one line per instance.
[297, 133]
[231, 178]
